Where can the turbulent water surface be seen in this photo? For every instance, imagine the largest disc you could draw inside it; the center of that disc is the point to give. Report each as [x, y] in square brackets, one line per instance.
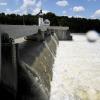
[76, 72]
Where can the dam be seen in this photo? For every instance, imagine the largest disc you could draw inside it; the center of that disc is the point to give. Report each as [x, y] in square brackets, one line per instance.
[37, 63]
[27, 57]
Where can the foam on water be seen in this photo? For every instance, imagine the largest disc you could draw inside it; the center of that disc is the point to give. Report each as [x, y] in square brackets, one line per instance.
[76, 72]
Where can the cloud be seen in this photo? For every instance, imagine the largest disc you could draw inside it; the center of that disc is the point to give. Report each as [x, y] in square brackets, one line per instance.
[38, 8]
[9, 11]
[78, 16]
[78, 9]
[96, 14]
[39, 4]
[45, 11]
[25, 8]
[64, 13]
[28, 6]
[28, 3]
[62, 3]
[36, 11]
[3, 4]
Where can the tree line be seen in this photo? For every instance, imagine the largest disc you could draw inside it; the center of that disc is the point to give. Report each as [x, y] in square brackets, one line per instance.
[75, 24]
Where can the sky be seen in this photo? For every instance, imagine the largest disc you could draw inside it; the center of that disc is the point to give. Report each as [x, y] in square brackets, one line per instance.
[76, 8]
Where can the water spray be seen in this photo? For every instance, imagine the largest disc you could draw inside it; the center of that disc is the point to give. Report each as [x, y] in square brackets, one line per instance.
[92, 36]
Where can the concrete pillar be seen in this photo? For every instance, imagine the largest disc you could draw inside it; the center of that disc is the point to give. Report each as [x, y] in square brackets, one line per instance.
[68, 35]
[8, 84]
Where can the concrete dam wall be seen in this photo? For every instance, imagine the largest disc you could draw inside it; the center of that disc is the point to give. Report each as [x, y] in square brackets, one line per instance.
[37, 58]
[30, 66]
[26, 65]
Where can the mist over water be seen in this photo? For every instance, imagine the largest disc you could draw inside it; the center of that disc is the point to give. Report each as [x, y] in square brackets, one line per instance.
[92, 36]
[76, 72]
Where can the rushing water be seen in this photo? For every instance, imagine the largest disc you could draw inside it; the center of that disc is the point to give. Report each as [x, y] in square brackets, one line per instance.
[76, 72]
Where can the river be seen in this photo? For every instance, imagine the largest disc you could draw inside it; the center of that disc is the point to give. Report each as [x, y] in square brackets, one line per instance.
[76, 71]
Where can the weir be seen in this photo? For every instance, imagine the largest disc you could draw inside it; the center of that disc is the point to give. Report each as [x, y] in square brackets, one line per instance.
[26, 66]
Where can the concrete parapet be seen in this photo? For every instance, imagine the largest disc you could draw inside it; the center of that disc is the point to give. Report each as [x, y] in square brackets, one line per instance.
[61, 32]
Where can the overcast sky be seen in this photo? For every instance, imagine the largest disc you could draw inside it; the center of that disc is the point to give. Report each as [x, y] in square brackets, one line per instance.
[77, 8]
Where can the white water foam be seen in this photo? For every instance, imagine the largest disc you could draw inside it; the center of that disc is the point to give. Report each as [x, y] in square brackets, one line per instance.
[76, 72]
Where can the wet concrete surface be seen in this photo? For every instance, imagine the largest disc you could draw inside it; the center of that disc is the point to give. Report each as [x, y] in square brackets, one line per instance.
[38, 59]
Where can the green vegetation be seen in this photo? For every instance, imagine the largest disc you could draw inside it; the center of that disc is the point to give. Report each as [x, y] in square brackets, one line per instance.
[75, 24]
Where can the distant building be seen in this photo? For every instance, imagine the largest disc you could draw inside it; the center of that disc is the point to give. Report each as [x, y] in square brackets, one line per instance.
[47, 22]
[41, 21]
